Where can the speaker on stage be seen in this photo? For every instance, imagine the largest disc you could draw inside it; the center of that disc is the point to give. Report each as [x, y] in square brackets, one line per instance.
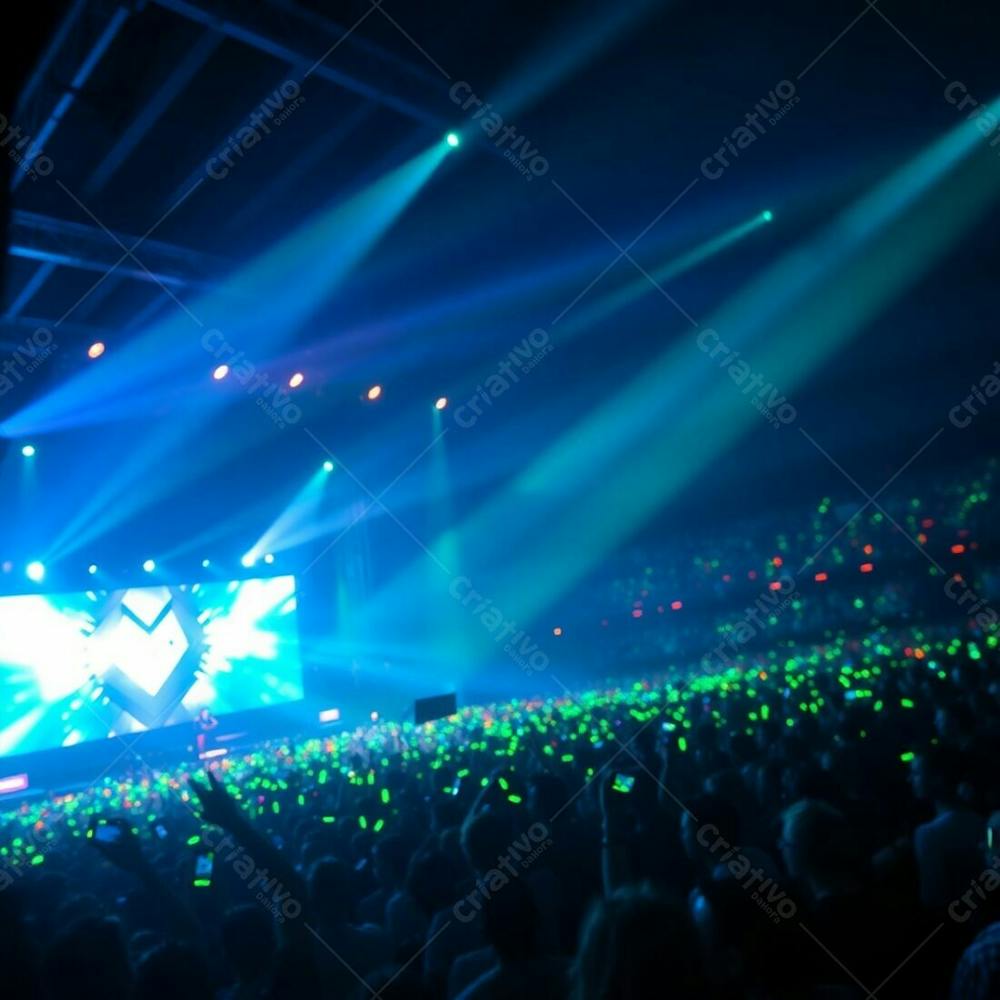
[438, 707]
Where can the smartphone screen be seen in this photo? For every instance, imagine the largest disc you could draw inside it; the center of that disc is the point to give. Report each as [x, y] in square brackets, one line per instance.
[203, 870]
[107, 833]
[623, 783]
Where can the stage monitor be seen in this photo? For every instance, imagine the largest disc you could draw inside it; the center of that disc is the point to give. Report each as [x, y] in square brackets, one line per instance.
[99, 664]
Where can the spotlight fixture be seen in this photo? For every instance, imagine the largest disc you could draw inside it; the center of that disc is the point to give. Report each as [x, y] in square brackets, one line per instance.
[149, 565]
[441, 403]
[205, 563]
[767, 215]
[374, 392]
[248, 560]
[96, 350]
[35, 571]
[220, 373]
[269, 558]
[328, 466]
[28, 451]
[452, 139]
[296, 380]
[92, 569]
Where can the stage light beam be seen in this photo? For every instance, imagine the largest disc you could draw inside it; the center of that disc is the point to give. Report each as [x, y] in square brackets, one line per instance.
[328, 466]
[441, 403]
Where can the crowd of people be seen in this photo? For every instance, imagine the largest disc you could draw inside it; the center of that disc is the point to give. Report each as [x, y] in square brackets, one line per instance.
[813, 820]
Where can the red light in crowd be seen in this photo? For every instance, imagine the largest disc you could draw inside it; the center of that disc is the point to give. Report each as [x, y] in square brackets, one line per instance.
[866, 567]
[752, 574]
[922, 538]
[868, 550]
[927, 522]
[557, 631]
[821, 577]
[776, 561]
[957, 577]
[958, 549]
[676, 605]
[774, 585]
[726, 578]
[637, 612]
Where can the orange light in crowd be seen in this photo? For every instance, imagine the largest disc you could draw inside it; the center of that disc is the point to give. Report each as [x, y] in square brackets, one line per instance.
[676, 605]
[821, 577]
[958, 549]
[777, 561]
[866, 567]
[95, 351]
[868, 550]
[557, 631]
[374, 392]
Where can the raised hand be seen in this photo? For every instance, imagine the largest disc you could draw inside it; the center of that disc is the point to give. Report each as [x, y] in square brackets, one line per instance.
[217, 805]
[122, 849]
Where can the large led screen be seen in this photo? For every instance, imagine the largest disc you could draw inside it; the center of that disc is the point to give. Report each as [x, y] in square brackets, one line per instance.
[99, 664]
